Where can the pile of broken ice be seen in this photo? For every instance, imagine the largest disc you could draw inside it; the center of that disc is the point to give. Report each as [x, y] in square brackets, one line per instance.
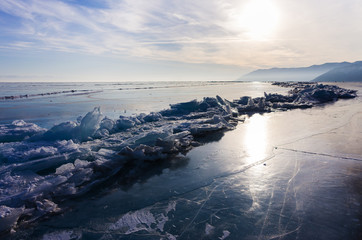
[40, 168]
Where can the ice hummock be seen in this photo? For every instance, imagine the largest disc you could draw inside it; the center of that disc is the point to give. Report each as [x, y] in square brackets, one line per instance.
[72, 92]
[40, 168]
[18, 130]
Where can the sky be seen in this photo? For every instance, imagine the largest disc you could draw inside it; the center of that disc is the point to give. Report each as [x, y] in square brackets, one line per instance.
[172, 40]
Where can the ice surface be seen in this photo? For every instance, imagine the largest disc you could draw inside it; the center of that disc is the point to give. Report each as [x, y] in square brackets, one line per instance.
[85, 130]
[90, 123]
[18, 130]
[42, 167]
[9, 217]
[135, 98]
[24, 151]
[63, 235]
[62, 131]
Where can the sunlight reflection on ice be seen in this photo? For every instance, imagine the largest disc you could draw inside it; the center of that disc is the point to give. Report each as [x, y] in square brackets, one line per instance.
[256, 146]
[255, 137]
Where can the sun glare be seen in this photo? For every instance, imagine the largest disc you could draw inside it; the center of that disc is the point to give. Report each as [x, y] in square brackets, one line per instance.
[258, 18]
[256, 137]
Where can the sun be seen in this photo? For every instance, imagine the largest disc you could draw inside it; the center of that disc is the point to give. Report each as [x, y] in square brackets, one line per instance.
[258, 18]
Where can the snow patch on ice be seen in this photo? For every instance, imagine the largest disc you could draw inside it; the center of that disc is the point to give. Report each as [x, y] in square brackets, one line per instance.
[65, 168]
[209, 229]
[171, 207]
[225, 233]
[143, 219]
[134, 221]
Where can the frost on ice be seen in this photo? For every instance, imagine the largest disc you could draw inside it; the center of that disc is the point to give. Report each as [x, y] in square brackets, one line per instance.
[39, 168]
[144, 220]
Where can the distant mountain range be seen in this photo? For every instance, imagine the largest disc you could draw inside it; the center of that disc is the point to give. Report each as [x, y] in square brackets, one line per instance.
[328, 72]
[348, 73]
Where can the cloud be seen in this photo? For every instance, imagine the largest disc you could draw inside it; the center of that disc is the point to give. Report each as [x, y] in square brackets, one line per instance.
[128, 27]
[203, 31]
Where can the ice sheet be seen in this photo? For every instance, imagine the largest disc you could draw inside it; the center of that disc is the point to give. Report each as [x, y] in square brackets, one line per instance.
[73, 165]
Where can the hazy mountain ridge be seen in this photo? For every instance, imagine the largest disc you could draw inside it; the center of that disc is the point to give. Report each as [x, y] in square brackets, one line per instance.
[336, 72]
[349, 73]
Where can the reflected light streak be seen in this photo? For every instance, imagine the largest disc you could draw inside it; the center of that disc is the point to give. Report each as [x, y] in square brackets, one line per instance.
[256, 137]
[256, 144]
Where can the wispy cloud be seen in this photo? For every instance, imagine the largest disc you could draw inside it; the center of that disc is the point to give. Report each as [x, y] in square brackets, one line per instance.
[203, 31]
[132, 27]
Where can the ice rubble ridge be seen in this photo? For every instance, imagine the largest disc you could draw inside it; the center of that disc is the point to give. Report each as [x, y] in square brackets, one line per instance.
[40, 168]
[12, 97]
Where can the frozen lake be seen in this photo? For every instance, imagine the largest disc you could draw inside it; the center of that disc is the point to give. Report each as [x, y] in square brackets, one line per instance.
[282, 175]
[52, 103]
